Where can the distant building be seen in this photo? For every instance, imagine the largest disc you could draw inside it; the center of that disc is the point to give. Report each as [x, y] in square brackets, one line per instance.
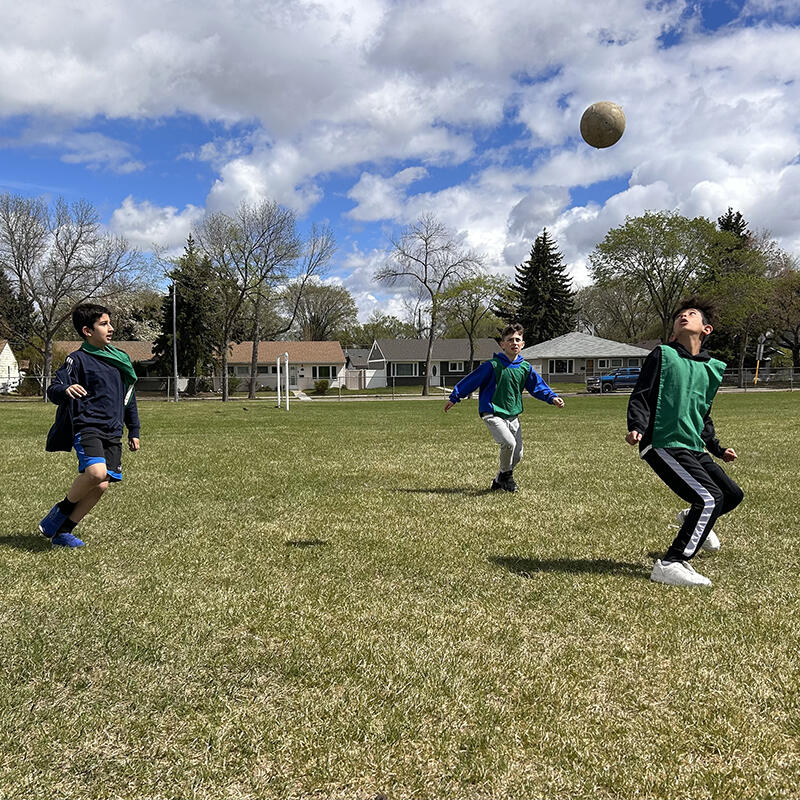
[9, 368]
[574, 356]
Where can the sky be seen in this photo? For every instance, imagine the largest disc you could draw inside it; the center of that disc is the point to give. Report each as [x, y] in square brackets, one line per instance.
[365, 114]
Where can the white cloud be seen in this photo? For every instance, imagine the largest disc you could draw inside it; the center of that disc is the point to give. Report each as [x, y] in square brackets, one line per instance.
[144, 224]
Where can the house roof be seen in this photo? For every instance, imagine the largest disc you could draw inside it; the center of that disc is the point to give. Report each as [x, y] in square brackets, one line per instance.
[443, 349]
[357, 356]
[581, 345]
[299, 352]
[138, 351]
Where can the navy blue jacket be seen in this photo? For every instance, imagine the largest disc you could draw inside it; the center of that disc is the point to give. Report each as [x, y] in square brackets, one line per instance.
[102, 411]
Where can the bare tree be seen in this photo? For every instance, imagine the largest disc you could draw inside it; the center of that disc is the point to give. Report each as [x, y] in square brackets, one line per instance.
[58, 257]
[254, 253]
[469, 304]
[323, 310]
[427, 257]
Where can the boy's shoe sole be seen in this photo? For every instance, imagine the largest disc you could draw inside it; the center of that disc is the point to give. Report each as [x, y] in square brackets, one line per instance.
[52, 522]
[495, 485]
[677, 573]
[66, 540]
[711, 544]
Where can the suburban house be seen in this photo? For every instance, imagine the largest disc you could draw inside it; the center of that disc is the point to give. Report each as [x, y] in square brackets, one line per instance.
[574, 356]
[9, 368]
[308, 362]
[140, 353]
[401, 362]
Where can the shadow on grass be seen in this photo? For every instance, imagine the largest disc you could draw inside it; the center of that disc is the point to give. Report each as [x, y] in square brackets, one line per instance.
[527, 566]
[467, 491]
[306, 543]
[25, 541]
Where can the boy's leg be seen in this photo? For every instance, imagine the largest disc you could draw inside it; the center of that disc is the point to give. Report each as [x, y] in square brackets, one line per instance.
[732, 493]
[684, 473]
[504, 437]
[516, 429]
[92, 483]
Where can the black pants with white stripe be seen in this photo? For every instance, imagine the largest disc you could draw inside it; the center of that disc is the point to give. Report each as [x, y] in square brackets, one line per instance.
[702, 483]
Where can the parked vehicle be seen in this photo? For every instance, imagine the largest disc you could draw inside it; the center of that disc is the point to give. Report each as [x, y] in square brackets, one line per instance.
[622, 378]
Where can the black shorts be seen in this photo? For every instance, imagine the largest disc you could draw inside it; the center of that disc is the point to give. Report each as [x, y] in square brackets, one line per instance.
[92, 448]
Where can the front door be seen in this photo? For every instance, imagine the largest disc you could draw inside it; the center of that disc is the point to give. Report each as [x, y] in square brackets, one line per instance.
[292, 377]
[434, 379]
[589, 366]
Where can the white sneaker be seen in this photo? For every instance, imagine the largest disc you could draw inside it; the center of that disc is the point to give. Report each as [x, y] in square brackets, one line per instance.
[711, 544]
[677, 573]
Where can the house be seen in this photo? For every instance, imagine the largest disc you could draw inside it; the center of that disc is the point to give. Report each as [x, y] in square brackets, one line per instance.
[308, 362]
[140, 353]
[575, 356]
[401, 362]
[9, 368]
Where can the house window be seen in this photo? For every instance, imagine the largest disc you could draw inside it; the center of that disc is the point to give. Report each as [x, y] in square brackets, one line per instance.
[404, 369]
[602, 363]
[561, 366]
[242, 371]
[455, 366]
[323, 372]
[616, 362]
[633, 362]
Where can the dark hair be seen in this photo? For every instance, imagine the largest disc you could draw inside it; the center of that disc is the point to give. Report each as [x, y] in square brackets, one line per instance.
[514, 327]
[85, 316]
[705, 308]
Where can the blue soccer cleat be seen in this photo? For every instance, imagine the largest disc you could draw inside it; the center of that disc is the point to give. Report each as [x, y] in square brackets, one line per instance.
[66, 540]
[50, 525]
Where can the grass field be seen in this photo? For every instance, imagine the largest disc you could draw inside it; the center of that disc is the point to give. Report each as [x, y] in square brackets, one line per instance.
[328, 604]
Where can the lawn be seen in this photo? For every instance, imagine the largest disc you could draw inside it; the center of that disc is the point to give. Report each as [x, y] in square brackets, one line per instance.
[328, 604]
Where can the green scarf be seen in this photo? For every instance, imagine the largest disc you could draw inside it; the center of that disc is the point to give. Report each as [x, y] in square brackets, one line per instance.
[119, 359]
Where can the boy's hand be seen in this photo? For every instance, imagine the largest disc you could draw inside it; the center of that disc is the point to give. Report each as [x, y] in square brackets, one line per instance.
[75, 391]
[448, 405]
[729, 455]
[633, 437]
[133, 443]
[558, 402]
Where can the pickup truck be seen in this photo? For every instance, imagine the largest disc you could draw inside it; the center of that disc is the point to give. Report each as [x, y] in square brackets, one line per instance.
[622, 378]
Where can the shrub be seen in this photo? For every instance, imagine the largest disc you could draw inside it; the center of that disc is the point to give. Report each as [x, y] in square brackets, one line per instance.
[29, 387]
[233, 383]
[320, 387]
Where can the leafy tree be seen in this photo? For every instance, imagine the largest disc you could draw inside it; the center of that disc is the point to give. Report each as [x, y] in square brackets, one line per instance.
[427, 259]
[784, 312]
[661, 253]
[541, 298]
[136, 315]
[468, 308]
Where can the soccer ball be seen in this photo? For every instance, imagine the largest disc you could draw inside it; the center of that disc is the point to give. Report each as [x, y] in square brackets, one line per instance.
[602, 124]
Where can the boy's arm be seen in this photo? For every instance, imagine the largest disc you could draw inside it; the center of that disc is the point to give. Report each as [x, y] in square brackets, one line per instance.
[540, 390]
[643, 396]
[66, 376]
[468, 384]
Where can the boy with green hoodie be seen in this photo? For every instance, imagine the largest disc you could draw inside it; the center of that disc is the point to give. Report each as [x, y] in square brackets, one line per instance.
[94, 394]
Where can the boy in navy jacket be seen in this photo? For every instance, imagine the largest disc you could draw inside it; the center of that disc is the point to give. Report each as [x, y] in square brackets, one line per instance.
[501, 381]
[94, 395]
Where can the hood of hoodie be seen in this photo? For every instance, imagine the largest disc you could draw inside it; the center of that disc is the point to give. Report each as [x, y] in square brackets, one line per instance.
[703, 355]
[504, 359]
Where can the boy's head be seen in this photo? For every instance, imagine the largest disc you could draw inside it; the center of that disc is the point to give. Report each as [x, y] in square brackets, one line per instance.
[511, 340]
[92, 322]
[693, 316]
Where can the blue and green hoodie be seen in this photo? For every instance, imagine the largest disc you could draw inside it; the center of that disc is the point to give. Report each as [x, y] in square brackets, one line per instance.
[500, 383]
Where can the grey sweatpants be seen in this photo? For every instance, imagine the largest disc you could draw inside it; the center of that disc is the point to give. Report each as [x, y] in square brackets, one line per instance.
[508, 434]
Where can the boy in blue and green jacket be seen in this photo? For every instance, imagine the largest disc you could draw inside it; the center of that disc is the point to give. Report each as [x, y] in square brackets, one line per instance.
[500, 382]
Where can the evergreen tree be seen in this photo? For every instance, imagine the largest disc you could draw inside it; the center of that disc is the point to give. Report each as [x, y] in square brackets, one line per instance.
[541, 298]
[16, 316]
[197, 317]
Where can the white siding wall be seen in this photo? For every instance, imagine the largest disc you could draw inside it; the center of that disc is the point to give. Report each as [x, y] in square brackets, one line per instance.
[9, 369]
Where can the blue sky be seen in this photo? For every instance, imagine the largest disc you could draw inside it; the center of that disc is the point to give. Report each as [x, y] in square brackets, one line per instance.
[366, 113]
